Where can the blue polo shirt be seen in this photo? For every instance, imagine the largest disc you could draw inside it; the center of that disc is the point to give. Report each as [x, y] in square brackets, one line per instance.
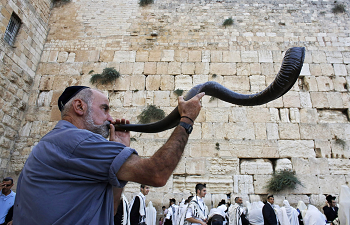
[68, 178]
[6, 202]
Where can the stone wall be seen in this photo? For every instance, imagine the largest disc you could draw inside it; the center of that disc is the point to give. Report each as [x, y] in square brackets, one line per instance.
[177, 44]
[18, 64]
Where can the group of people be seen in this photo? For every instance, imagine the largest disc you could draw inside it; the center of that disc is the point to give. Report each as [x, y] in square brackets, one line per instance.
[77, 172]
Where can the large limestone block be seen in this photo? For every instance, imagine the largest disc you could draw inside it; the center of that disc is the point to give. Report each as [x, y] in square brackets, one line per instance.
[289, 131]
[272, 131]
[150, 68]
[310, 83]
[126, 68]
[167, 82]
[238, 114]
[183, 82]
[216, 56]
[162, 68]
[283, 164]
[122, 83]
[260, 182]
[340, 84]
[139, 98]
[137, 82]
[106, 56]
[161, 98]
[291, 99]
[174, 68]
[153, 82]
[187, 68]
[335, 100]
[258, 115]
[181, 55]
[62, 57]
[194, 56]
[305, 70]
[256, 166]
[255, 69]
[249, 56]
[243, 69]
[257, 83]
[195, 166]
[332, 117]
[324, 83]
[46, 83]
[340, 148]
[340, 131]
[314, 131]
[265, 56]
[319, 57]
[253, 149]
[310, 185]
[220, 184]
[308, 116]
[243, 184]
[154, 56]
[305, 100]
[203, 149]
[330, 184]
[199, 79]
[223, 166]
[236, 83]
[205, 56]
[327, 69]
[71, 68]
[124, 56]
[167, 55]
[340, 70]
[319, 99]
[201, 68]
[231, 56]
[244, 131]
[294, 115]
[323, 149]
[141, 56]
[260, 131]
[217, 114]
[296, 148]
[223, 68]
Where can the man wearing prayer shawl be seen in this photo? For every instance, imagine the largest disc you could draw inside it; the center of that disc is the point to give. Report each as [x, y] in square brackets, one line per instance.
[173, 210]
[151, 214]
[122, 216]
[255, 215]
[292, 214]
[344, 205]
[236, 213]
[138, 206]
[313, 216]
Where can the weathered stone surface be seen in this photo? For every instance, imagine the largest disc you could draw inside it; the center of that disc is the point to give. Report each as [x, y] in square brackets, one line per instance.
[256, 166]
[289, 131]
[224, 166]
[153, 82]
[283, 164]
[330, 184]
[124, 56]
[260, 183]
[243, 184]
[296, 148]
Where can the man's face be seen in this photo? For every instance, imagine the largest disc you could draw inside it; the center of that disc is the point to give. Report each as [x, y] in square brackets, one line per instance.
[271, 200]
[202, 193]
[145, 190]
[7, 185]
[97, 117]
[239, 201]
[333, 204]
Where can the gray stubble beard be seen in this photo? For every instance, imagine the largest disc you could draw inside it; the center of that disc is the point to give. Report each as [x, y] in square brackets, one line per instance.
[97, 129]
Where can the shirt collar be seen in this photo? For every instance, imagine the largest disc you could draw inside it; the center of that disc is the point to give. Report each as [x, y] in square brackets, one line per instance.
[142, 195]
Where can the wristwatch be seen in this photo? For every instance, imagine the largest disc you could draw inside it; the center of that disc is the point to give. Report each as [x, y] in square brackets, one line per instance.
[188, 127]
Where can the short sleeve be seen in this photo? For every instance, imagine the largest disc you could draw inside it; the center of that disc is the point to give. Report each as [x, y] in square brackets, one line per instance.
[116, 164]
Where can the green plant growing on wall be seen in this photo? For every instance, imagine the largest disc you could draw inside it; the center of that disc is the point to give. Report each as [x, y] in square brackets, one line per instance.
[178, 92]
[145, 2]
[339, 8]
[282, 180]
[107, 76]
[151, 114]
[228, 22]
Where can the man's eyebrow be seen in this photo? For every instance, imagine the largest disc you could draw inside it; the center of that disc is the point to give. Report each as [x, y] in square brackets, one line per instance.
[105, 106]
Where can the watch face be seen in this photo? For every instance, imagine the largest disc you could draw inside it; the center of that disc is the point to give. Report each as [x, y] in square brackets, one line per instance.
[190, 128]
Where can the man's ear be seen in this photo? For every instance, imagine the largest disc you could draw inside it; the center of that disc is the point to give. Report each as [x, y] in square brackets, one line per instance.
[79, 107]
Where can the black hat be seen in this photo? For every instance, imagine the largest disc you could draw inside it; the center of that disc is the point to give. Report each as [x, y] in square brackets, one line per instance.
[68, 94]
[329, 198]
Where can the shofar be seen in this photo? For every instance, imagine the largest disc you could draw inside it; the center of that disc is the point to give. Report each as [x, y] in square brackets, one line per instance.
[284, 81]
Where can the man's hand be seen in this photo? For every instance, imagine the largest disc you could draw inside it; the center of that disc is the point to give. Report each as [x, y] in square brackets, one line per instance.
[192, 107]
[121, 136]
[2, 185]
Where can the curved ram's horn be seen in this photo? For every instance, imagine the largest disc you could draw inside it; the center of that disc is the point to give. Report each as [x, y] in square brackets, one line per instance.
[285, 79]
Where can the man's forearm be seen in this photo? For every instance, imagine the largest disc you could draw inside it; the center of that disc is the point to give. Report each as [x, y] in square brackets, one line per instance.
[193, 220]
[117, 192]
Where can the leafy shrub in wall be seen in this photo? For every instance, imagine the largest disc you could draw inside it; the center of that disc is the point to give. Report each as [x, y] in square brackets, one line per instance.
[178, 92]
[282, 180]
[107, 76]
[339, 8]
[145, 2]
[228, 22]
[151, 114]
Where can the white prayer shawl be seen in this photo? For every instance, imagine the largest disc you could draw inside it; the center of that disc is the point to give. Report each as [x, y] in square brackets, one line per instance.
[344, 205]
[234, 214]
[291, 213]
[181, 214]
[173, 211]
[126, 212]
[151, 214]
[314, 216]
[142, 209]
[200, 212]
[255, 214]
[248, 207]
[302, 208]
[218, 211]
